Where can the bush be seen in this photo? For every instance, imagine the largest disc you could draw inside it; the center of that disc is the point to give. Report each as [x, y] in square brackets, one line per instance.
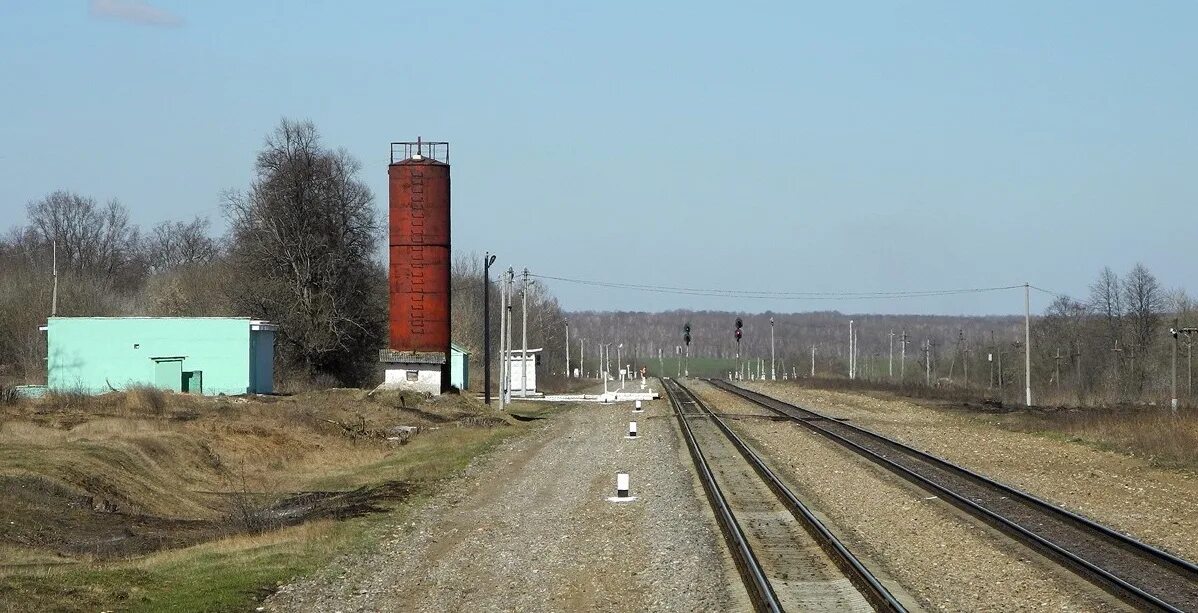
[8, 395]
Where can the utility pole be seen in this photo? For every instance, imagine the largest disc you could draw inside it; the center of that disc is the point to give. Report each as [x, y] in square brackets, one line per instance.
[927, 361]
[1057, 375]
[54, 271]
[582, 358]
[1000, 375]
[1189, 332]
[620, 364]
[990, 383]
[488, 259]
[568, 373]
[505, 340]
[903, 359]
[511, 325]
[892, 355]
[603, 349]
[1174, 332]
[1077, 356]
[1027, 340]
[524, 336]
[813, 360]
[852, 373]
[773, 371]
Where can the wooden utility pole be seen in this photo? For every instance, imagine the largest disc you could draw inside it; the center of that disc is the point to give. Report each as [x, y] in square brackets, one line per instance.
[927, 361]
[1027, 339]
[990, 384]
[892, 355]
[1175, 333]
[1057, 375]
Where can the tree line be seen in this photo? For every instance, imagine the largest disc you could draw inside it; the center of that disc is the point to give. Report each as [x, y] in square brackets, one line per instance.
[301, 250]
[1110, 347]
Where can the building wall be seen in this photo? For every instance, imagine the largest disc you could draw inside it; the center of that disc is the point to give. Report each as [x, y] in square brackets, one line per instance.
[413, 377]
[98, 354]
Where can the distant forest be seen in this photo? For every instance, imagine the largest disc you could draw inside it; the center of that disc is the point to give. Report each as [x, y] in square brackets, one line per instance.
[1112, 346]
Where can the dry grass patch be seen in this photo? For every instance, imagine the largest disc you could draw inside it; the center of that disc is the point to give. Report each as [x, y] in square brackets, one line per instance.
[150, 501]
[1155, 434]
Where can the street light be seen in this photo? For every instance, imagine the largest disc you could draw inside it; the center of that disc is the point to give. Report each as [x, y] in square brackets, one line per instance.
[488, 259]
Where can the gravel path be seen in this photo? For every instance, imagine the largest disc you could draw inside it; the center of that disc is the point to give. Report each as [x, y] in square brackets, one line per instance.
[946, 560]
[1123, 492]
[530, 529]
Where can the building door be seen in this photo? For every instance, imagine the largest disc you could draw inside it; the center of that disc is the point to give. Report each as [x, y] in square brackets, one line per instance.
[193, 382]
[168, 374]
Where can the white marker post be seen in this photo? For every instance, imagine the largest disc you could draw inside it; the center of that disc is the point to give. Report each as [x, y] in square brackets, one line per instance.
[623, 490]
[631, 430]
[637, 407]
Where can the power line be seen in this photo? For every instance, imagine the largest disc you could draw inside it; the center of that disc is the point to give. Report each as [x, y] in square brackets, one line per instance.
[731, 293]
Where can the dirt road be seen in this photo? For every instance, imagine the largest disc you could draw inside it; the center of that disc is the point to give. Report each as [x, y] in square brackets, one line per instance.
[530, 529]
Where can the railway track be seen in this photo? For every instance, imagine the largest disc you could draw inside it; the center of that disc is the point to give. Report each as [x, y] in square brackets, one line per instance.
[1141, 574]
[787, 558]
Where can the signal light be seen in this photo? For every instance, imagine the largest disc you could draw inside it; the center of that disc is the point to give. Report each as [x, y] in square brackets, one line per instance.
[739, 324]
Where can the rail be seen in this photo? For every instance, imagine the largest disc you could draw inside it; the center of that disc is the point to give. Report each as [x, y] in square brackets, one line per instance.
[1129, 568]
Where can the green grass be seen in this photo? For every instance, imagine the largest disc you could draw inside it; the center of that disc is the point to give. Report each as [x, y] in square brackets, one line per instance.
[698, 367]
[235, 573]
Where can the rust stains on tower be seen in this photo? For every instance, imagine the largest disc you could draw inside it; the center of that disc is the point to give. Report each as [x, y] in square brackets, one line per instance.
[419, 248]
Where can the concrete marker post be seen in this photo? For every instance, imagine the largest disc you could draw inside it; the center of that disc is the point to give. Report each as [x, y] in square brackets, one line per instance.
[623, 489]
[637, 407]
[631, 430]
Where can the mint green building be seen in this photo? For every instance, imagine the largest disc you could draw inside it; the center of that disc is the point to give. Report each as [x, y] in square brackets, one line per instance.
[198, 355]
[459, 367]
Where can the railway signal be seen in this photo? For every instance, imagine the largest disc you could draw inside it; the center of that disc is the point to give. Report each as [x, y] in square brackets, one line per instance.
[739, 324]
[686, 338]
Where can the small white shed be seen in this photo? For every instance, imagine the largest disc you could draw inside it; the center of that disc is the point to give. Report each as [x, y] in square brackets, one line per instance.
[521, 364]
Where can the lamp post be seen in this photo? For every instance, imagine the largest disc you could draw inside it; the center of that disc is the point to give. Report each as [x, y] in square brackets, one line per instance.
[488, 259]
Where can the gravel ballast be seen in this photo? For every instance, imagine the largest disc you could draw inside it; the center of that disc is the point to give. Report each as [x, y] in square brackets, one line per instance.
[1125, 493]
[945, 559]
[531, 529]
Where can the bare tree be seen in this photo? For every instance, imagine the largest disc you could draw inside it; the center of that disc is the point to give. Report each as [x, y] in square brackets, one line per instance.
[173, 244]
[91, 239]
[302, 246]
[1144, 300]
[1106, 300]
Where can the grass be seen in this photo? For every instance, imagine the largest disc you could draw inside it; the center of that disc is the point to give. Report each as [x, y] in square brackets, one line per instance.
[698, 367]
[152, 458]
[1155, 434]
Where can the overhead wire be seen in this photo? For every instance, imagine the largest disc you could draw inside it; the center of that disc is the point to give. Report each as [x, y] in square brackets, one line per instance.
[776, 295]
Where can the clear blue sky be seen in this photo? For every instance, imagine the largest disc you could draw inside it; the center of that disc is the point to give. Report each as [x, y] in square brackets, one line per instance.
[789, 146]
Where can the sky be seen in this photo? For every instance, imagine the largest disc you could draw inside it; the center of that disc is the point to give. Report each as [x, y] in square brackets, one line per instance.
[768, 147]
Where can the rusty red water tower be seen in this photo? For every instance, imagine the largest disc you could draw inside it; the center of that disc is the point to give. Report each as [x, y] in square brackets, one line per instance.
[417, 357]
